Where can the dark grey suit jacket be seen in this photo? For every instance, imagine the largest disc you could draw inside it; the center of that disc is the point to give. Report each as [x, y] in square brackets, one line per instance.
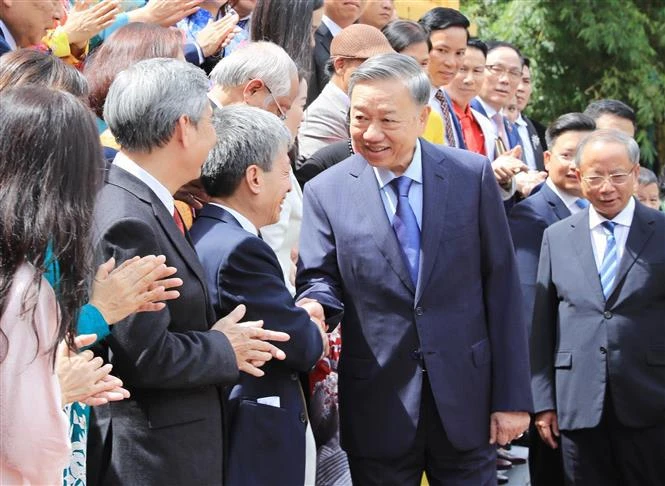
[463, 320]
[319, 78]
[534, 140]
[583, 346]
[170, 430]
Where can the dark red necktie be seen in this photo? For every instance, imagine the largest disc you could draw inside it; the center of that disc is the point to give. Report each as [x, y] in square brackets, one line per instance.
[178, 221]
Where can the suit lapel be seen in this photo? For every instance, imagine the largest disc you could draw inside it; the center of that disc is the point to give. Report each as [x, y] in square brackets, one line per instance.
[368, 197]
[534, 140]
[555, 202]
[581, 238]
[477, 105]
[640, 232]
[435, 198]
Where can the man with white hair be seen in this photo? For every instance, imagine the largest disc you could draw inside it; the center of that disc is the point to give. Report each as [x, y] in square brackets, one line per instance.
[260, 74]
[174, 361]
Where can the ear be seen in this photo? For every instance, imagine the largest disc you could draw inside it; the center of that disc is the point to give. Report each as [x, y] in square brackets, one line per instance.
[254, 178]
[547, 156]
[183, 133]
[251, 89]
[338, 64]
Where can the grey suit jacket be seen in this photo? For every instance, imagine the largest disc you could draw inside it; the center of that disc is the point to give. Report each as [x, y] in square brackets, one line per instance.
[583, 346]
[324, 121]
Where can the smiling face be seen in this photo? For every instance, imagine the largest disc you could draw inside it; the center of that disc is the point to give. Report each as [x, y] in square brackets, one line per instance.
[467, 82]
[446, 55]
[343, 12]
[560, 161]
[386, 123]
[276, 184]
[603, 159]
[499, 88]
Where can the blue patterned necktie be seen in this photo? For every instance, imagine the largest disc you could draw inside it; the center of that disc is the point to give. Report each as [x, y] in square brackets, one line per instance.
[406, 227]
[581, 203]
[608, 269]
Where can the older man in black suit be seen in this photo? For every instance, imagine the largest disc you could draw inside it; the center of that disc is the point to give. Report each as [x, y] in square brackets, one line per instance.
[173, 361]
[597, 341]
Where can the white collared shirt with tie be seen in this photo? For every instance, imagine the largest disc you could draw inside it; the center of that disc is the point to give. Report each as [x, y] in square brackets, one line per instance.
[623, 221]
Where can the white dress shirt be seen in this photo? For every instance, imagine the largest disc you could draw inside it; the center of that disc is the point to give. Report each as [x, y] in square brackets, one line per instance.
[332, 26]
[599, 234]
[389, 195]
[243, 221]
[127, 164]
[9, 38]
[568, 199]
[527, 148]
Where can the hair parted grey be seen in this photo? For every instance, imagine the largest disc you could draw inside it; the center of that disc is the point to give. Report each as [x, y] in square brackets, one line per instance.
[394, 67]
[610, 136]
[146, 101]
[258, 60]
[245, 136]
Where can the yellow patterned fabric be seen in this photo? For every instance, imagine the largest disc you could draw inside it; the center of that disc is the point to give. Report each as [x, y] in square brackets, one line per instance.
[434, 129]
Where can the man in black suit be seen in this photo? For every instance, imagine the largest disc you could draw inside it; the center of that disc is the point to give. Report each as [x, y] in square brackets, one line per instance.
[558, 198]
[337, 14]
[173, 361]
[24, 23]
[532, 147]
[597, 341]
[247, 177]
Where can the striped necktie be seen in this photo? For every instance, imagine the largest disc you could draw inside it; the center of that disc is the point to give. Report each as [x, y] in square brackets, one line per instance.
[608, 269]
[447, 123]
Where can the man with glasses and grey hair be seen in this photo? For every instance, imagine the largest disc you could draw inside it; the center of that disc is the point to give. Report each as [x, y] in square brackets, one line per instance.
[174, 362]
[260, 74]
[247, 177]
[597, 340]
[408, 244]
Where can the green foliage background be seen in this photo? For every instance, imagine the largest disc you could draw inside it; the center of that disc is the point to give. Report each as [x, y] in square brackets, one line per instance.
[582, 50]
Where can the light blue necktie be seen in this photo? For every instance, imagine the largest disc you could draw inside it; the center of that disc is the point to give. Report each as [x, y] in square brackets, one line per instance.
[608, 268]
[581, 203]
[406, 227]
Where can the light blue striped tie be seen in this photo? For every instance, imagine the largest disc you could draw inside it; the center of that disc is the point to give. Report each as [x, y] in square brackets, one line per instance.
[608, 269]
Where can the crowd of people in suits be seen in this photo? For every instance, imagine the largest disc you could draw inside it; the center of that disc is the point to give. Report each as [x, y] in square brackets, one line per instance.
[260, 242]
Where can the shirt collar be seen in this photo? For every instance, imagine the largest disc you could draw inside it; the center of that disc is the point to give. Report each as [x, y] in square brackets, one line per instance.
[488, 109]
[624, 218]
[332, 26]
[413, 172]
[125, 163]
[214, 101]
[9, 38]
[338, 93]
[520, 121]
[567, 198]
[243, 221]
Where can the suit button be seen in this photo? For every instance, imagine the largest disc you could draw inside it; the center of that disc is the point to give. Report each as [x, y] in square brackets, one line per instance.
[603, 350]
[419, 311]
[303, 417]
[294, 376]
[607, 315]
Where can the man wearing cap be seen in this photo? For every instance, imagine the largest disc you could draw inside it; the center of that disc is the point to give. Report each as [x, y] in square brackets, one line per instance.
[326, 119]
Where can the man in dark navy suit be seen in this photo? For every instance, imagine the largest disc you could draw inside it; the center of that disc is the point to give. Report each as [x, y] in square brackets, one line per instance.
[247, 177]
[410, 243]
[23, 23]
[557, 199]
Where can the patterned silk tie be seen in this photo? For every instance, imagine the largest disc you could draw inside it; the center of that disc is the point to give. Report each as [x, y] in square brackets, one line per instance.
[608, 269]
[447, 123]
[406, 227]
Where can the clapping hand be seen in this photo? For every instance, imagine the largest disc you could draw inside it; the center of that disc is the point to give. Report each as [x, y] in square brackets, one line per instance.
[85, 21]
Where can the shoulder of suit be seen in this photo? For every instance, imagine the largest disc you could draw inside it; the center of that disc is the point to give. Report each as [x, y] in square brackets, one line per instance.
[452, 156]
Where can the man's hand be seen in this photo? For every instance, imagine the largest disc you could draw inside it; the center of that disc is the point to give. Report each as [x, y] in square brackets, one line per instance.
[164, 12]
[84, 377]
[548, 427]
[216, 34]
[138, 285]
[85, 21]
[193, 194]
[249, 341]
[507, 165]
[507, 426]
[526, 181]
[316, 314]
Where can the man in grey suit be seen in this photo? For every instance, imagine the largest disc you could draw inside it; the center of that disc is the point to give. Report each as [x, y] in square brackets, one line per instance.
[409, 241]
[598, 341]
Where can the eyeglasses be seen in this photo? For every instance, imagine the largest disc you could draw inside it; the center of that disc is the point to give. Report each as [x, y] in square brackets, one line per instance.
[499, 70]
[282, 115]
[615, 179]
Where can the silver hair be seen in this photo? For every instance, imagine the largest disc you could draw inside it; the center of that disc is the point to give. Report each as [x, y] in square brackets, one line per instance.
[245, 136]
[258, 60]
[146, 101]
[646, 177]
[610, 136]
[394, 66]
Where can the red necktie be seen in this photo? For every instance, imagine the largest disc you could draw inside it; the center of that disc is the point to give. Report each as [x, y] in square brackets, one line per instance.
[178, 221]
